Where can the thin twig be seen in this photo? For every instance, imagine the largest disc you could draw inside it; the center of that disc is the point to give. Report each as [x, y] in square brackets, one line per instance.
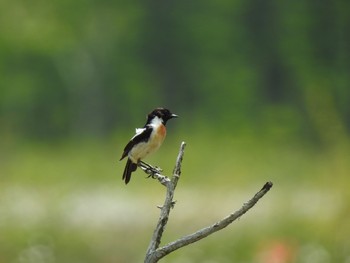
[154, 252]
[202, 233]
[165, 210]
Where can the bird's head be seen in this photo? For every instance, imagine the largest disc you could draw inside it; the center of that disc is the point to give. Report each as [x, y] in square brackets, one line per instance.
[161, 113]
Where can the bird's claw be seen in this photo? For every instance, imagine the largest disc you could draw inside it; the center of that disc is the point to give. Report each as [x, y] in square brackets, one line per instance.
[153, 171]
[149, 169]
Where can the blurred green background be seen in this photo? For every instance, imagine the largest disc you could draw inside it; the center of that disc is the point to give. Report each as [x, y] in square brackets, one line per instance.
[263, 93]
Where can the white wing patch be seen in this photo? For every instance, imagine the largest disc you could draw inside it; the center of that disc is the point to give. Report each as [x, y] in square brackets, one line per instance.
[138, 131]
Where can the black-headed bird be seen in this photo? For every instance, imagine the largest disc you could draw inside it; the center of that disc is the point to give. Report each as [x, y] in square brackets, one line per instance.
[147, 140]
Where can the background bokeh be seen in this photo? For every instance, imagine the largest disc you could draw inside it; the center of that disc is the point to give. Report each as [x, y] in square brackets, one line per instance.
[263, 93]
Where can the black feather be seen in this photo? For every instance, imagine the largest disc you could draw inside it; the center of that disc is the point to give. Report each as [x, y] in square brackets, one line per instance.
[142, 137]
[129, 168]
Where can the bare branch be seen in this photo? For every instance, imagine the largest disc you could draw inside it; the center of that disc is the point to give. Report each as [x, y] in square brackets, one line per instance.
[165, 210]
[202, 233]
[154, 252]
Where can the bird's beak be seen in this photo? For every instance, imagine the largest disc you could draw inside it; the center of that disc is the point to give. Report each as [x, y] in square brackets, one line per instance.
[174, 116]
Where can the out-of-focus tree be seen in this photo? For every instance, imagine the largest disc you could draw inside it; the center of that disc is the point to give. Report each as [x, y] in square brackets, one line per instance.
[88, 67]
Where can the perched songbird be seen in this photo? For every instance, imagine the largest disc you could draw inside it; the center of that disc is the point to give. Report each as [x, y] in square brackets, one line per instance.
[146, 140]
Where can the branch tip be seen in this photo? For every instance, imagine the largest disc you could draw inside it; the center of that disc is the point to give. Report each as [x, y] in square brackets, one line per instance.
[267, 186]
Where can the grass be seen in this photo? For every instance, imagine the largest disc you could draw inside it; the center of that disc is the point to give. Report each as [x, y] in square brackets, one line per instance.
[66, 202]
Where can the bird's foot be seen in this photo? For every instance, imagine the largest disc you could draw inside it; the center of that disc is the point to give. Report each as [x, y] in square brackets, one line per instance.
[152, 171]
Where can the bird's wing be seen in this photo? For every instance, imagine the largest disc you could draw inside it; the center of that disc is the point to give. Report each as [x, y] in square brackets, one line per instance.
[139, 130]
[142, 135]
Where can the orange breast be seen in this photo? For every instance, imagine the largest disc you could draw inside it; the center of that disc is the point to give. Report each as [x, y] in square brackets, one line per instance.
[143, 149]
[162, 130]
[159, 136]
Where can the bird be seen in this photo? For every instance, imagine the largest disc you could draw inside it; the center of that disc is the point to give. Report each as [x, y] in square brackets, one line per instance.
[147, 140]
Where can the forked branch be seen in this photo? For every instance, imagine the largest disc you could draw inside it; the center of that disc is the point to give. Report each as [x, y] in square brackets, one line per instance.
[154, 252]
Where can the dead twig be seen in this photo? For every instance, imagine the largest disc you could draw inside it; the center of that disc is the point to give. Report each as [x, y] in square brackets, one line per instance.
[154, 252]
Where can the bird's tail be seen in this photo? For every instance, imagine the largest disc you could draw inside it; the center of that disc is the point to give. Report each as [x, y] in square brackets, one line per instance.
[129, 168]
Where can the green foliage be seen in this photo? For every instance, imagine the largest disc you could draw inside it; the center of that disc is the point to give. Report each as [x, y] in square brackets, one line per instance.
[262, 90]
[72, 68]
